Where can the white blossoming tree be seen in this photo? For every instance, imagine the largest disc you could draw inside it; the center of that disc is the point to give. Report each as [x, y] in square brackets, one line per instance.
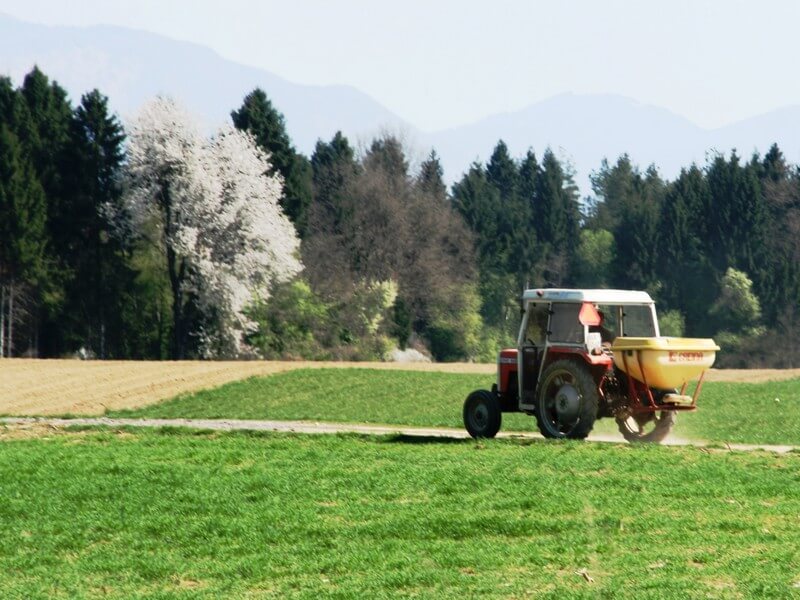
[214, 213]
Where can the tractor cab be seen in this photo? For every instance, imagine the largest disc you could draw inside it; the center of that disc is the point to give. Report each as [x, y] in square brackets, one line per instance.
[561, 324]
[583, 355]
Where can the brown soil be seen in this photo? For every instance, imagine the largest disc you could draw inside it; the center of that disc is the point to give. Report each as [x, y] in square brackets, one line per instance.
[50, 387]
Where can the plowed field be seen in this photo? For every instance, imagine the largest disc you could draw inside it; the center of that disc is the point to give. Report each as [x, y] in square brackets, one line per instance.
[48, 387]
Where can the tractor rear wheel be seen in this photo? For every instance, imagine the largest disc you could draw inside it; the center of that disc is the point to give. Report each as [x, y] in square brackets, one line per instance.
[647, 427]
[566, 401]
[482, 416]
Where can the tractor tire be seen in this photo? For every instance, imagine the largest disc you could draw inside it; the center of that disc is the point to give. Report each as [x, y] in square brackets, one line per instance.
[566, 401]
[647, 427]
[482, 416]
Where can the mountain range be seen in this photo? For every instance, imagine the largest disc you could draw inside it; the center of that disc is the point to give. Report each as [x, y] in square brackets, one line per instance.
[131, 66]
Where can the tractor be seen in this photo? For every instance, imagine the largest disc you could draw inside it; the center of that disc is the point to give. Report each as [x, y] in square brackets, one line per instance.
[583, 355]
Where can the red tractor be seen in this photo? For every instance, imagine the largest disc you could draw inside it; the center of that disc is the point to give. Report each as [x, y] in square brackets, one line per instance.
[586, 354]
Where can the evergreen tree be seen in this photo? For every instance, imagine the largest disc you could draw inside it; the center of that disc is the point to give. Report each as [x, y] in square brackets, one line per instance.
[22, 231]
[779, 289]
[612, 186]
[774, 167]
[478, 202]
[556, 216]
[682, 266]
[737, 220]
[9, 103]
[430, 180]
[334, 169]
[637, 257]
[267, 125]
[100, 277]
[502, 173]
[47, 138]
[43, 128]
[387, 159]
[526, 253]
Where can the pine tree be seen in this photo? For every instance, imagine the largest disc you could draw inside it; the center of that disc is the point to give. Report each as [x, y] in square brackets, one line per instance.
[100, 275]
[502, 172]
[774, 167]
[636, 260]
[333, 165]
[779, 288]
[478, 202]
[386, 158]
[22, 230]
[267, 125]
[526, 252]
[682, 266]
[50, 114]
[736, 218]
[430, 180]
[612, 186]
[556, 217]
[43, 129]
[334, 169]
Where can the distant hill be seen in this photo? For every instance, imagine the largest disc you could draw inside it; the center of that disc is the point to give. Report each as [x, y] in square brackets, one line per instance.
[587, 128]
[131, 66]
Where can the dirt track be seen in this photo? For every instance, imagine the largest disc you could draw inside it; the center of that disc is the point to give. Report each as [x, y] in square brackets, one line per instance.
[50, 387]
[23, 428]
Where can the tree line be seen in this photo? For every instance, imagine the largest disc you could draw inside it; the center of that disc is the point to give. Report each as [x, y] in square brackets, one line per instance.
[155, 240]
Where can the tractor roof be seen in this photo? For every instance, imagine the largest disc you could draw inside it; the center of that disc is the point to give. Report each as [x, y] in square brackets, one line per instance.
[593, 296]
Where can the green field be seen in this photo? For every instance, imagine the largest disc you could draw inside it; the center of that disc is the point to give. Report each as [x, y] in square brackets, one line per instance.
[765, 413]
[180, 514]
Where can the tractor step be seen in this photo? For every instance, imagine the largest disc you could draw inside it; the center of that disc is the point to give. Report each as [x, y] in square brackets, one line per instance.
[677, 399]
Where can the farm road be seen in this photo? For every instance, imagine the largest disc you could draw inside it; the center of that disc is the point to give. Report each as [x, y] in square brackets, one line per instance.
[23, 425]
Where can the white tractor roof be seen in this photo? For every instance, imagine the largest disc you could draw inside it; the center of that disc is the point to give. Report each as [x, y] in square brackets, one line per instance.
[593, 296]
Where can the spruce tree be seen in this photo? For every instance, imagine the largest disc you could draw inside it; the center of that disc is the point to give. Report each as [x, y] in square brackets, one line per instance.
[100, 275]
[526, 252]
[556, 218]
[22, 230]
[430, 180]
[386, 157]
[612, 186]
[333, 166]
[50, 116]
[502, 172]
[334, 169]
[682, 265]
[267, 125]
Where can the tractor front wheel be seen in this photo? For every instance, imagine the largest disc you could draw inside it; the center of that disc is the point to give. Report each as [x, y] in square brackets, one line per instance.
[567, 401]
[482, 416]
[647, 427]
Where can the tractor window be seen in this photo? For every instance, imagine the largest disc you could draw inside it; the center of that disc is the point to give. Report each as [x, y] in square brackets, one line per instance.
[638, 321]
[537, 324]
[609, 328]
[564, 324]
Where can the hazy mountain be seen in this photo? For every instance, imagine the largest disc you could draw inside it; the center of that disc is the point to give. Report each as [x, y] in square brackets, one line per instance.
[131, 66]
[587, 128]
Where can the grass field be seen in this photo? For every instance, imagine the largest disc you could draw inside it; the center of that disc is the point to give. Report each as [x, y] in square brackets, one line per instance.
[764, 413]
[58, 387]
[179, 515]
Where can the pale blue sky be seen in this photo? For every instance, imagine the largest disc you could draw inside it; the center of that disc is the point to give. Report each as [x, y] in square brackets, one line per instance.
[445, 63]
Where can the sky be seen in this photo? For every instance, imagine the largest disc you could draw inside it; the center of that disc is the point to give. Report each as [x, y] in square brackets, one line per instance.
[445, 63]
